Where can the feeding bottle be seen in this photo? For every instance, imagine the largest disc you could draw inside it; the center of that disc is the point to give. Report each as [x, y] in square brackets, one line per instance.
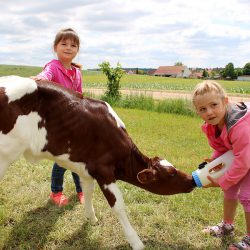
[200, 175]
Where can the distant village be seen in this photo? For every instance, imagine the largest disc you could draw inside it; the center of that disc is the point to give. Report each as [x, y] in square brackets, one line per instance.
[181, 71]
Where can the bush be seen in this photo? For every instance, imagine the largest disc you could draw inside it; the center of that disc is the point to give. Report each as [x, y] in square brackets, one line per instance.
[114, 76]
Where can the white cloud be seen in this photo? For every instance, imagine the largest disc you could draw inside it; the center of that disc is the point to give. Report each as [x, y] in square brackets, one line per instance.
[142, 33]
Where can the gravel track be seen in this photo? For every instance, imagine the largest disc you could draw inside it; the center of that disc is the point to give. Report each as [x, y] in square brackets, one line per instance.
[161, 95]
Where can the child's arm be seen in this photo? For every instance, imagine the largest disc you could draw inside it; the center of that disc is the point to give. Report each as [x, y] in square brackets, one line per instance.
[240, 139]
[46, 74]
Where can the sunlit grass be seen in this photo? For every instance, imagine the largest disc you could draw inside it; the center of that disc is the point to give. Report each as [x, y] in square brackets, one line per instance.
[28, 221]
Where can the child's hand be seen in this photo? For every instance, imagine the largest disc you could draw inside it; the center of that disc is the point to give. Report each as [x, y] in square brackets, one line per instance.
[208, 159]
[214, 182]
[218, 167]
[36, 78]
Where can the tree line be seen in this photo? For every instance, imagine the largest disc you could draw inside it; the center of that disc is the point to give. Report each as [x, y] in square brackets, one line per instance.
[230, 72]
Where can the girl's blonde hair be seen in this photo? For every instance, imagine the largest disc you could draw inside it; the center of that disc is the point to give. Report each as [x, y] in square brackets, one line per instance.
[65, 34]
[208, 87]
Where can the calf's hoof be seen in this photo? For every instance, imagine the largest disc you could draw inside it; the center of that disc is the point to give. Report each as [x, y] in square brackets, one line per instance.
[139, 246]
[93, 220]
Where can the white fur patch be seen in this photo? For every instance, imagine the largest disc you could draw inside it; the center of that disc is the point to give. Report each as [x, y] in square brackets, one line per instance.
[25, 136]
[166, 163]
[27, 132]
[76, 167]
[117, 193]
[117, 118]
[16, 87]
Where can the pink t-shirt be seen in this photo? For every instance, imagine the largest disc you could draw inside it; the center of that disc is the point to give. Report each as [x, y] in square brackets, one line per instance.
[71, 79]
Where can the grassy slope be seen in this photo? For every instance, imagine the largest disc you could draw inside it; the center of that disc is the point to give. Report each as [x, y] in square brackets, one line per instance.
[28, 221]
[25, 71]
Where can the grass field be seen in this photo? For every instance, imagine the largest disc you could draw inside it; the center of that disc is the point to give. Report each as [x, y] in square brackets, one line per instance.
[162, 83]
[98, 80]
[28, 221]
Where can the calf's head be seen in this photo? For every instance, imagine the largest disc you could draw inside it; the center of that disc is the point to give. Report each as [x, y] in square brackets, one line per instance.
[163, 178]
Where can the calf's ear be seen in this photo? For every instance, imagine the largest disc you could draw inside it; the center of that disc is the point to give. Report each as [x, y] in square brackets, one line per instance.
[146, 176]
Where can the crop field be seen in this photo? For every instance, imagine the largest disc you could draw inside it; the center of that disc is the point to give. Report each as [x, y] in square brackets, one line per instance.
[161, 83]
[98, 80]
[95, 79]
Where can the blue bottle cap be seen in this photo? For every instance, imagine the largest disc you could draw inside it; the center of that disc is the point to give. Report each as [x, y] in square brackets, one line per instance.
[196, 179]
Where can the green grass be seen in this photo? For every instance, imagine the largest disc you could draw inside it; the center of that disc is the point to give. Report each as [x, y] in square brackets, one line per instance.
[161, 83]
[28, 221]
[25, 71]
[94, 79]
[143, 102]
[146, 82]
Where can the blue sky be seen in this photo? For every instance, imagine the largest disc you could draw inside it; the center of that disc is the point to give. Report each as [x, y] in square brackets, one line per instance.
[136, 33]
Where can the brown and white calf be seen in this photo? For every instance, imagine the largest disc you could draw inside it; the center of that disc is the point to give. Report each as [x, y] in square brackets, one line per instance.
[43, 120]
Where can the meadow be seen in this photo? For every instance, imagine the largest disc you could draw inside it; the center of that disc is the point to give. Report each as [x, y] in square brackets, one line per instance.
[95, 79]
[161, 83]
[28, 220]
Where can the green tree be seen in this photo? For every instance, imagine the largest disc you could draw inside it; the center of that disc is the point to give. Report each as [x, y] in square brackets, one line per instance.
[229, 71]
[213, 73]
[114, 76]
[246, 69]
[205, 73]
[178, 64]
[141, 72]
[239, 71]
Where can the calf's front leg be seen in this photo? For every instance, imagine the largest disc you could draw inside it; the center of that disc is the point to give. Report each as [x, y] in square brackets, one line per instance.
[115, 200]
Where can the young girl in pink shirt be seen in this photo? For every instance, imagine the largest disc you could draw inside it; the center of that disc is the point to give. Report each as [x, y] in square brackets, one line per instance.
[227, 127]
[65, 73]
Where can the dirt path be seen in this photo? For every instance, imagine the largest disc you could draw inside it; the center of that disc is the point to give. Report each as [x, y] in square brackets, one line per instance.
[160, 95]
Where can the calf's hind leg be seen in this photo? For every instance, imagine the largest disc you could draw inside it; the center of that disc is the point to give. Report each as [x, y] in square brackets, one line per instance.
[3, 168]
[10, 150]
[5, 161]
[88, 189]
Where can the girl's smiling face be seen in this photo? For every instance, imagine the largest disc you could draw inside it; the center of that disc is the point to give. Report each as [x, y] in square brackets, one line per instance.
[211, 107]
[66, 51]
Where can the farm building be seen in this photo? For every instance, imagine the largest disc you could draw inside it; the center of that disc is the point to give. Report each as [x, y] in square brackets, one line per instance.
[151, 72]
[244, 78]
[173, 71]
[130, 72]
[195, 74]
